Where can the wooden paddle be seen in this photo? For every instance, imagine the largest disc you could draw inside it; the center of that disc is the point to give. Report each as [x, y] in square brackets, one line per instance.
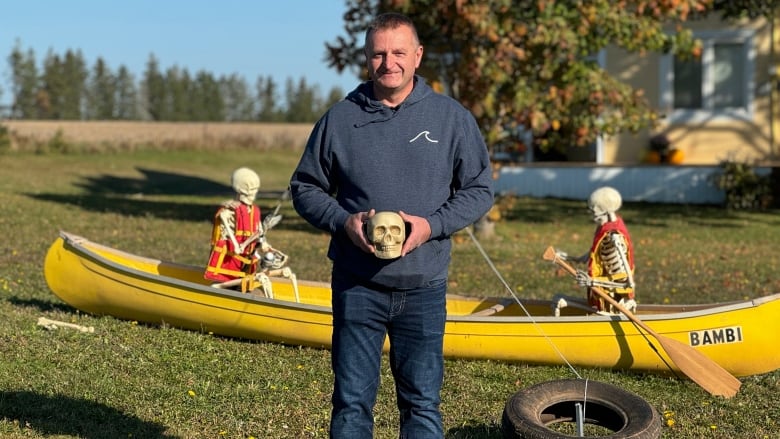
[699, 368]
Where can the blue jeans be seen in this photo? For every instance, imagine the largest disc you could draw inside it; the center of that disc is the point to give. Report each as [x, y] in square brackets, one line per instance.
[414, 321]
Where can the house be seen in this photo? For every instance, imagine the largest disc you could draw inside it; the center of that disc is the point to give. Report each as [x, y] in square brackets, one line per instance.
[723, 107]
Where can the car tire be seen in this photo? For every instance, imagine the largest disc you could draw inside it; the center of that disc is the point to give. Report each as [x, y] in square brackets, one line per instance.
[529, 412]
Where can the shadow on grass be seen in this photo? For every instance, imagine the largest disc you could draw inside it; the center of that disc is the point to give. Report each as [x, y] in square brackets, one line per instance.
[474, 432]
[129, 196]
[135, 197]
[154, 183]
[41, 305]
[63, 415]
[546, 210]
[109, 203]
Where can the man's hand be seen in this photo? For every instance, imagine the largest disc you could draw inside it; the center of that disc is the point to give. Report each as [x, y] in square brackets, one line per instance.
[354, 228]
[419, 234]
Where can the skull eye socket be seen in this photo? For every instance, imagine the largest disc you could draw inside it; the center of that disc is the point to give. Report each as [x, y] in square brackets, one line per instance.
[395, 230]
[379, 231]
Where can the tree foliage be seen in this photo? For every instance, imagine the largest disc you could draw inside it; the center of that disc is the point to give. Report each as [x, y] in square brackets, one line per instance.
[736, 9]
[24, 80]
[531, 64]
[101, 93]
[67, 89]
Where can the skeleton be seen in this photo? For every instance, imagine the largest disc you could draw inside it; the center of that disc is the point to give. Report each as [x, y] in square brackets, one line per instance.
[387, 231]
[272, 262]
[612, 258]
[246, 183]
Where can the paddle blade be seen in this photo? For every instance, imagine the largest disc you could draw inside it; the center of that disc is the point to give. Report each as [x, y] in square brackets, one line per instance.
[271, 220]
[549, 254]
[700, 369]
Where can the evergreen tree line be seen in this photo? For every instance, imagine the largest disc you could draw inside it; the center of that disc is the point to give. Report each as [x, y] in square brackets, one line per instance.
[65, 88]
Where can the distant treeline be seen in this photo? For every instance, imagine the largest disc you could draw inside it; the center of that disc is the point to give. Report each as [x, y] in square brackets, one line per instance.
[65, 88]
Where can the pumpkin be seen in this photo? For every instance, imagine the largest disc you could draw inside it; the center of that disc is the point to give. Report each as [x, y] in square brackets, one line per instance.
[652, 156]
[675, 156]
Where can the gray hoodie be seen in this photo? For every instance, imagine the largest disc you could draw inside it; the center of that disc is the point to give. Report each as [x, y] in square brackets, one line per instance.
[425, 157]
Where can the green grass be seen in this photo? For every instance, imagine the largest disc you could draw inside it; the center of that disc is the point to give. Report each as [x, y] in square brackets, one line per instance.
[131, 380]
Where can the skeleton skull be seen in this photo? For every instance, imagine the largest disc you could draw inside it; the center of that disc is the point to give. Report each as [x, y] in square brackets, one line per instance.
[246, 183]
[386, 230]
[603, 203]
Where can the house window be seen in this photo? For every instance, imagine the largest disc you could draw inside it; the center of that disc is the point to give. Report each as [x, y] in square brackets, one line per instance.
[718, 85]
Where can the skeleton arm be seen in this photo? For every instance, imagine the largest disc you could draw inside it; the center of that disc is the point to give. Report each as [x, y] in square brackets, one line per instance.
[271, 220]
[565, 256]
[227, 218]
[584, 280]
[620, 244]
[258, 236]
[618, 263]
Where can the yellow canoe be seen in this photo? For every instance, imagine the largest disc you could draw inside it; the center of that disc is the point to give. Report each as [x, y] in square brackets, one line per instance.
[100, 280]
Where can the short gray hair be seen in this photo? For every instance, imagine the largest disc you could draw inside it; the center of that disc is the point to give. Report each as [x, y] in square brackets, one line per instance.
[390, 20]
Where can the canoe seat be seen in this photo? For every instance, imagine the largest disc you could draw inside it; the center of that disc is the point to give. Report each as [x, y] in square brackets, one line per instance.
[498, 307]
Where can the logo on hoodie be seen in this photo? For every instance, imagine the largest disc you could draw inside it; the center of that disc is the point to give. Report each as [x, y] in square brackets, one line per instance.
[425, 135]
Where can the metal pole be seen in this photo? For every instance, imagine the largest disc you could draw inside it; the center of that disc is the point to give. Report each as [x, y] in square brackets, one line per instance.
[580, 421]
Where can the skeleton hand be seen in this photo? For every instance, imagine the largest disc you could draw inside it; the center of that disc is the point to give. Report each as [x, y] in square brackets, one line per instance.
[583, 279]
[629, 304]
[561, 255]
[264, 245]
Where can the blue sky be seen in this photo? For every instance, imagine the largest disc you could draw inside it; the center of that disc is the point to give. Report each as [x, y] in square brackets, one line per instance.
[272, 38]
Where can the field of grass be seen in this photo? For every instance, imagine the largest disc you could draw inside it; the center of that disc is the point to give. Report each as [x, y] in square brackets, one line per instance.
[75, 135]
[133, 380]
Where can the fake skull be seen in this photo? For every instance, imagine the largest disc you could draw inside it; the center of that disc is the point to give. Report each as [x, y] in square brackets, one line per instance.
[386, 230]
[604, 202]
[246, 183]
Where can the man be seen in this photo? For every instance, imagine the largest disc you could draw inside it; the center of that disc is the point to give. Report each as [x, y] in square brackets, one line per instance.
[391, 145]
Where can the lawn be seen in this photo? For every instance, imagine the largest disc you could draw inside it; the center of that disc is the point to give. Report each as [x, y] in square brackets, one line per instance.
[134, 380]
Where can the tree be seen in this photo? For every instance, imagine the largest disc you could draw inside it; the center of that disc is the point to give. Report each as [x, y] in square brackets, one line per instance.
[208, 104]
[734, 9]
[178, 91]
[102, 92]
[154, 93]
[267, 100]
[24, 83]
[528, 64]
[302, 101]
[236, 97]
[75, 74]
[126, 95]
[48, 98]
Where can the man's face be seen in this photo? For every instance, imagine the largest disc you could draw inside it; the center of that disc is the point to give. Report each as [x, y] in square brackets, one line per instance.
[392, 56]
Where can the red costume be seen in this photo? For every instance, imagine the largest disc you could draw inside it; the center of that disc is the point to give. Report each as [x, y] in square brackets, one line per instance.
[597, 269]
[224, 264]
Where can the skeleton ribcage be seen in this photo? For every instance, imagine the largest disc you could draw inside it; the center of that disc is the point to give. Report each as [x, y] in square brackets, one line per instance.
[610, 257]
